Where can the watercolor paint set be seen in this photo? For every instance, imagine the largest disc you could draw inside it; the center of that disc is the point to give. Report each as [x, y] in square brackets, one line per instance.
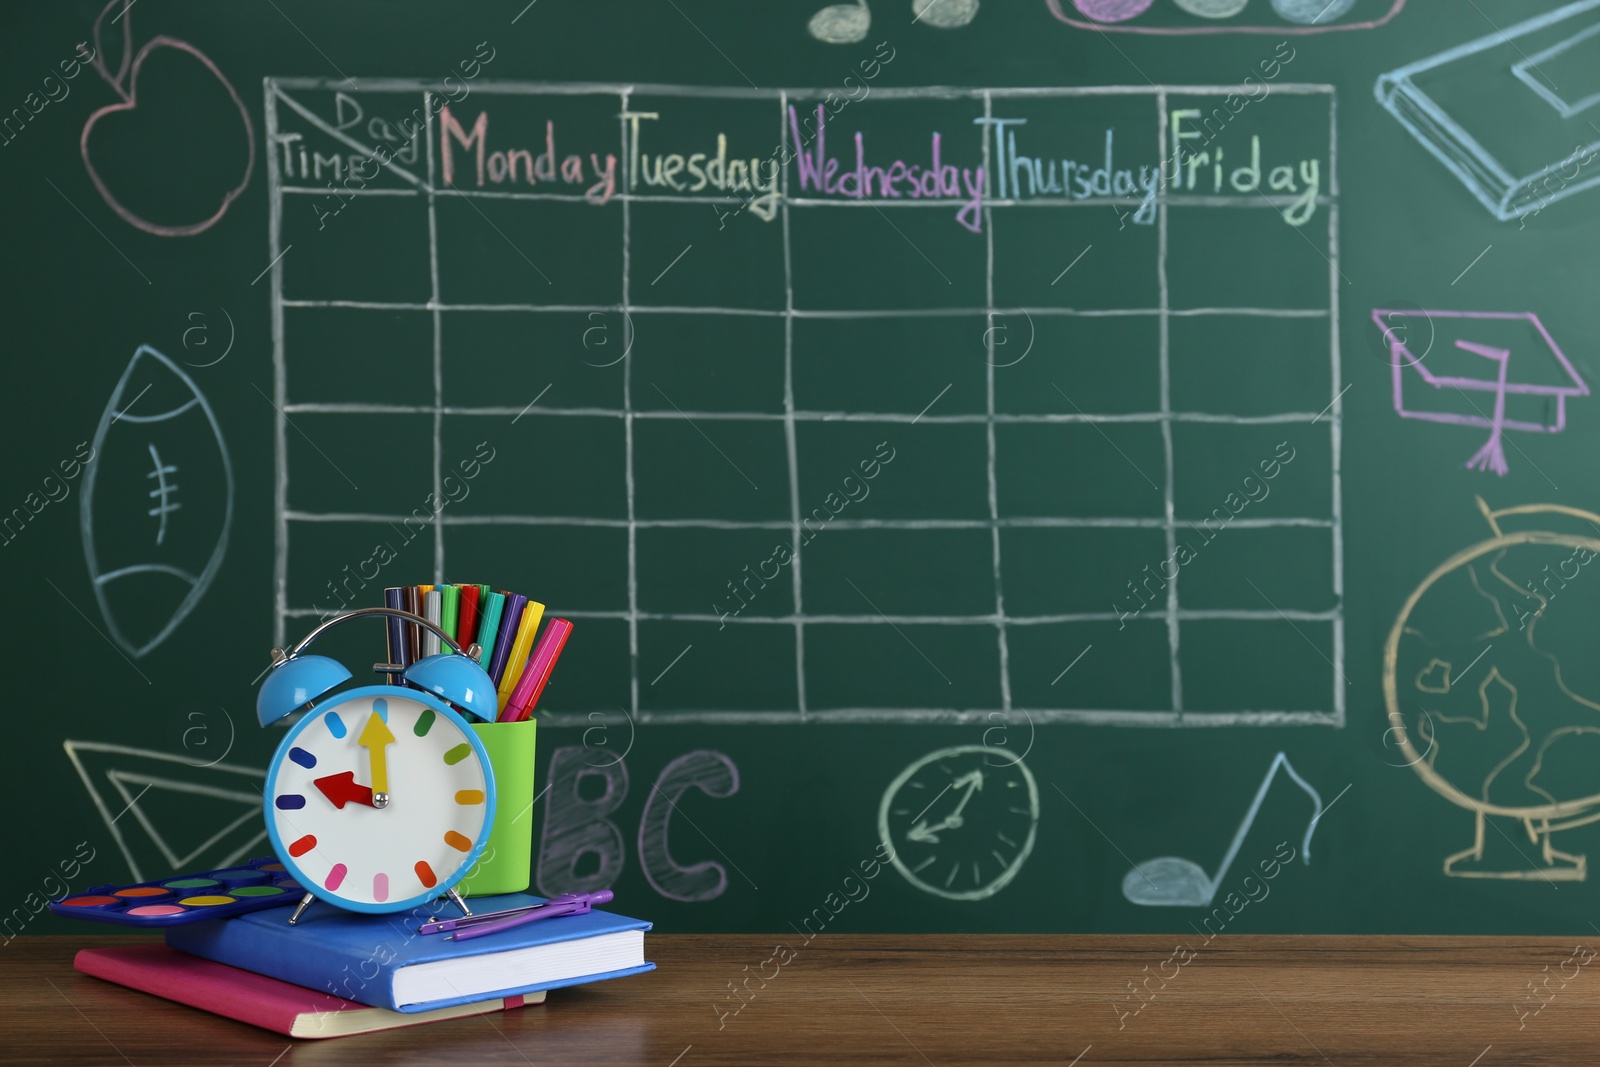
[185, 898]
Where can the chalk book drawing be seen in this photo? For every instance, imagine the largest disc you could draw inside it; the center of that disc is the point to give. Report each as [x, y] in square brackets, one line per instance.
[1511, 112]
[157, 502]
[1508, 355]
[1493, 690]
[1175, 882]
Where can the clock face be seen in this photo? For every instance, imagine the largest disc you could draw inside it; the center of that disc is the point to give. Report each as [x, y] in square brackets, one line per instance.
[961, 821]
[379, 799]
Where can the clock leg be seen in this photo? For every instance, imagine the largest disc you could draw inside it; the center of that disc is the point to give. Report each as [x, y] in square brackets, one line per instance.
[305, 902]
[460, 903]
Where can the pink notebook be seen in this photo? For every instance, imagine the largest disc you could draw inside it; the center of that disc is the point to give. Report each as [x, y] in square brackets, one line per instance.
[256, 999]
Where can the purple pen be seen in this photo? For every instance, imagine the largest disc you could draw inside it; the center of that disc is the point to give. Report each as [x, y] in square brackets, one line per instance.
[439, 926]
[554, 909]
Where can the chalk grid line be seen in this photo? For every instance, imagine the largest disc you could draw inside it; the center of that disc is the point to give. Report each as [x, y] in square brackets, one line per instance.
[1169, 523]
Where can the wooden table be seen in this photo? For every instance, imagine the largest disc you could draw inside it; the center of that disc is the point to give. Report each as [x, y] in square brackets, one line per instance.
[940, 1000]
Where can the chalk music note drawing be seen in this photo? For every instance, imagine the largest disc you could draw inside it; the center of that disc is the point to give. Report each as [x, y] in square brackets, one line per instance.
[1175, 882]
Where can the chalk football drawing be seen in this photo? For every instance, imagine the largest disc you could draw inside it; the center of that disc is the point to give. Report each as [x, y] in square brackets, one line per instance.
[1175, 882]
[221, 800]
[157, 502]
[961, 821]
[1539, 384]
[849, 23]
[1494, 113]
[1492, 689]
[125, 83]
[1298, 17]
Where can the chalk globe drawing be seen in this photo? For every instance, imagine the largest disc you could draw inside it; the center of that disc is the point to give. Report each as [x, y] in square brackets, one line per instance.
[1493, 692]
[961, 821]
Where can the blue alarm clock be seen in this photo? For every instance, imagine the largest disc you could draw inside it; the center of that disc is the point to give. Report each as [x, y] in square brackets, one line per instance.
[380, 797]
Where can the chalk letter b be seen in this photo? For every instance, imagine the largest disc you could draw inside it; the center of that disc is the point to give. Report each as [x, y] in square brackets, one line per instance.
[575, 827]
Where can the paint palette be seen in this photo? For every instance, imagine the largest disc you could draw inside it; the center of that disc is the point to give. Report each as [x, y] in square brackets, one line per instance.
[186, 898]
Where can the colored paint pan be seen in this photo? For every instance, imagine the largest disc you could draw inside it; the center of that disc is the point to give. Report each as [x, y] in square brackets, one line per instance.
[191, 883]
[184, 898]
[145, 894]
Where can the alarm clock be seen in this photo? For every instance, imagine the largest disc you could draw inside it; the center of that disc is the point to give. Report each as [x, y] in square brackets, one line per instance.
[380, 797]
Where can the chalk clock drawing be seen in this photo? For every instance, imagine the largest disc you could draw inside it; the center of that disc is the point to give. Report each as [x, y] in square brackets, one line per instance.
[1493, 694]
[961, 821]
[157, 502]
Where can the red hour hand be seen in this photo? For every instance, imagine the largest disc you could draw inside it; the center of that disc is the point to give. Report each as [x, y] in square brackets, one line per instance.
[341, 789]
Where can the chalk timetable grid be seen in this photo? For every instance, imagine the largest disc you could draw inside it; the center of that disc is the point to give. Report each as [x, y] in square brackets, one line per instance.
[286, 518]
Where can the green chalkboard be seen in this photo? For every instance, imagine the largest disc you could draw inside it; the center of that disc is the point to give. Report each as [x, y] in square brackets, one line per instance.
[1052, 465]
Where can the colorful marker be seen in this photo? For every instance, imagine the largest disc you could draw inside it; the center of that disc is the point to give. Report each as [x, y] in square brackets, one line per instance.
[467, 620]
[527, 630]
[540, 665]
[413, 603]
[432, 604]
[510, 619]
[394, 598]
[449, 608]
[489, 629]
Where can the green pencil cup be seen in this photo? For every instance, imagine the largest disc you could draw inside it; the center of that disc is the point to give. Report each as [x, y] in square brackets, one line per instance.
[506, 865]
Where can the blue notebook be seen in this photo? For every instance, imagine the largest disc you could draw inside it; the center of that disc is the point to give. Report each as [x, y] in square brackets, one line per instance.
[381, 959]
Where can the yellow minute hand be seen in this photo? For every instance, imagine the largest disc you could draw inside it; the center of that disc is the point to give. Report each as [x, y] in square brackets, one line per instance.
[374, 736]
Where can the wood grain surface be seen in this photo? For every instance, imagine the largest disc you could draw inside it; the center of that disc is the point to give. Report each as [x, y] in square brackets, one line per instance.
[931, 999]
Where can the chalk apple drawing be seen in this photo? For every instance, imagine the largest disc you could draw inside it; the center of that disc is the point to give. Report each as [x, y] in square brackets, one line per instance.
[125, 83]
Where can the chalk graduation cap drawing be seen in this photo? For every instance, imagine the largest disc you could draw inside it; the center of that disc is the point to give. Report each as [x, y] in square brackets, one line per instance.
[1499, 370]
